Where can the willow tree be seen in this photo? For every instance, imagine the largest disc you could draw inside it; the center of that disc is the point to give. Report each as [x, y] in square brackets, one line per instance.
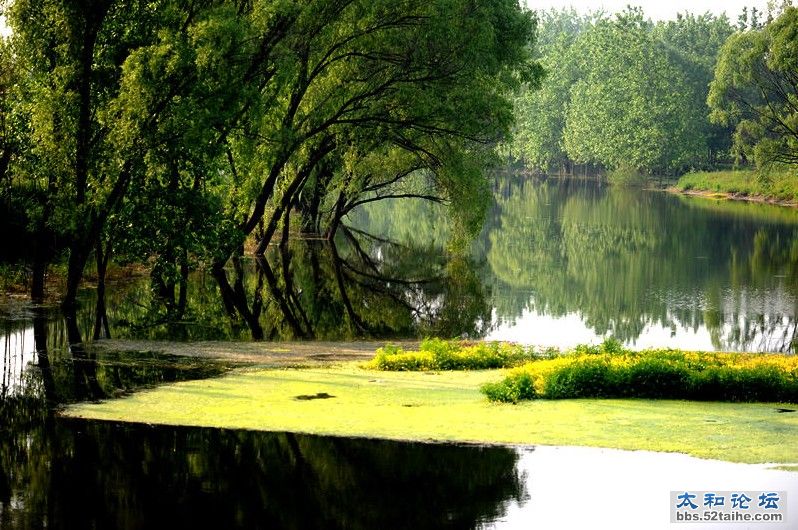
[429, 78]
[178, 128]
[755, 90]
[80, 158]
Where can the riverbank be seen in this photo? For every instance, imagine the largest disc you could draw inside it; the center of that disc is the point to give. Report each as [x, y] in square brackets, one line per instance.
[348, 400]
[780, 188]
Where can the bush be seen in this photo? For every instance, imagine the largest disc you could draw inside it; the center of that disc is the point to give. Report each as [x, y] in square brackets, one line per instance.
[437, 354]
[626, 176]
[520, 388]
[592, 372]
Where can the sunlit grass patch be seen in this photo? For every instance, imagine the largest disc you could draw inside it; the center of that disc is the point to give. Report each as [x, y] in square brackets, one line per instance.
[448, 406]
[778, 184]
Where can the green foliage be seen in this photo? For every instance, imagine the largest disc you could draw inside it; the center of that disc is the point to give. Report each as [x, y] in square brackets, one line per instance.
[540, 113]
[622, 93]
[172, 132]
[608, 371]
[510, 390]
[437, 354]
[625, 175]
[13, 277]
[755, 90]
[625, 110]
[778, 184]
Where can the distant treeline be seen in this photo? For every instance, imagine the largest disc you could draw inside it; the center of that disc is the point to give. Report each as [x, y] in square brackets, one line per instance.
[634, 96]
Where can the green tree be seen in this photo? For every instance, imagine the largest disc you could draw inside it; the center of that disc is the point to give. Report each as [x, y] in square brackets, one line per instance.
[693, 44]
[540, 113]
[629, 107]
[755, 90]
[199, 123]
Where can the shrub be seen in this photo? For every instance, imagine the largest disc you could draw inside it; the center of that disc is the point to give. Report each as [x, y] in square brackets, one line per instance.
[653, 374]
[437, 354]
[522, 387]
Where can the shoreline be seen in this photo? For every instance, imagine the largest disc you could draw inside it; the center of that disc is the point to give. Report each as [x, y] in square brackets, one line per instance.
[729, 196]
[446, 407]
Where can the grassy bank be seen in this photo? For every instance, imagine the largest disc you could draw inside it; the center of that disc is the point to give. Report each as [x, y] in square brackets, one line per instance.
[778, 185]
[606, 370]
[447, 406]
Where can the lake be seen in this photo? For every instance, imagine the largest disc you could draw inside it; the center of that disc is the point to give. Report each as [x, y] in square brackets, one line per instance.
[558, 263]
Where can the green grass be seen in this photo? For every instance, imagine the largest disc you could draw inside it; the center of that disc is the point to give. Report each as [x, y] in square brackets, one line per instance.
[437, 354]
[447, 406]
[778, 184]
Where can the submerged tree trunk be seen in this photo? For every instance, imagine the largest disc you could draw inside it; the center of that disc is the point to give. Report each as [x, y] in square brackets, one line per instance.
[358, 326]
[279, 296]
[101, 327]
[40, 332]
[78, 257]
[38, 275]
[338, 213]
[235, 300]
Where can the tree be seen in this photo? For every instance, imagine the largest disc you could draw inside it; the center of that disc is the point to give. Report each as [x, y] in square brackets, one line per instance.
[81, 158]
[157, 113]
[429, 78]
[755, 90]
[629, 107]
[693, 44]
[540, 112]
[622, 90]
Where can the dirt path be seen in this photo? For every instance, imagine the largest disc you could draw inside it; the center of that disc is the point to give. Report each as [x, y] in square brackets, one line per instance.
[287, 353]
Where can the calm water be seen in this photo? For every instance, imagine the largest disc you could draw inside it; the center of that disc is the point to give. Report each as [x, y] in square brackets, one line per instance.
[558, 263]
[567, 262]
[77, 474]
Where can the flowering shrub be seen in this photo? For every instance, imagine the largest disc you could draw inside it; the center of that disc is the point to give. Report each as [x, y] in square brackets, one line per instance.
[437, 354]
[653, 374]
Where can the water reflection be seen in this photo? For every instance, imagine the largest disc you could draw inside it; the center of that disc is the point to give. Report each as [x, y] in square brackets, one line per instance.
[40, 366]
[166, 477]
[574, 261]
[582, 487]
[78, 474]
[558, 263]
[361, 285]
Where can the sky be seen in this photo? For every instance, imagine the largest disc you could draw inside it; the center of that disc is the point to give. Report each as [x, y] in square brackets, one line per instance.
[657, 10]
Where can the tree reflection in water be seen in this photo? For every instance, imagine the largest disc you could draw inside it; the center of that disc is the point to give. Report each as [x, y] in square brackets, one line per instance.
[76, 474]
[360, 286]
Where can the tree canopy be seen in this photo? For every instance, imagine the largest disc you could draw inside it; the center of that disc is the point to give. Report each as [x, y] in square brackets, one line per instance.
[174, 130]
[755, 90]
[622, 92]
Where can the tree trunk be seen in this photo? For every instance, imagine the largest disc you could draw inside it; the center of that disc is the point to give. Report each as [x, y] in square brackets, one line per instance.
[336, 218]
[237, 298]
[77, 263]
[40, 330]
[101, 327]
[38, 274]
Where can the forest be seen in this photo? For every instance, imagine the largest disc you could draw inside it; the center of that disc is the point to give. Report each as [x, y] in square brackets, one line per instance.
[635, 97]
[180, 134]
